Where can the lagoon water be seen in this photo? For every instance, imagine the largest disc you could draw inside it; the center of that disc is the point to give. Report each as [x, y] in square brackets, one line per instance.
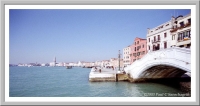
[62, 82]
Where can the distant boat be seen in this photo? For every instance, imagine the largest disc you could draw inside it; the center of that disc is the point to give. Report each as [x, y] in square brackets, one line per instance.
[69, 67]
[89, 67]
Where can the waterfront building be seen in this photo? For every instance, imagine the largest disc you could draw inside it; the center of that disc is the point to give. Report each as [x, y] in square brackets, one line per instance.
[76, 64]
[80, 63]
[115, 63]
[47, 64]
[88, 64]
[20, 64]
[43, 64]
[84, 64]
[71, 64]
[66, 64]
[52, 64]
[181, 31]
[126, 56]
[105, 63]
[29, 64]
[175, 32]
[159, 37]
[138, 49]
[11, 65]
[98, 63]
[32, 64]
[92, 64]
[60, 64]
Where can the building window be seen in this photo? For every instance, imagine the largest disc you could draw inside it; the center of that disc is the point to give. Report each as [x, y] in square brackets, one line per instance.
[154, 38]
[138, 47]
[174, 26]
[158, 37]
[182, 24]
[149, 47]
[180, 36]
[184, 35]
[149, 39]
[165, 45]
[143, 45]
[165, 35]
[189, 20]
[138, 54]
[154, 47]
[173, 37]
[158, 47]
[188, 34]
[137, 42]
[135, 48]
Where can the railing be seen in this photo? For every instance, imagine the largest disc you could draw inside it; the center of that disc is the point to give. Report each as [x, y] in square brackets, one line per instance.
[184, 39]
[155, 41]
[181, 27]
[174, 29]
[187, 24]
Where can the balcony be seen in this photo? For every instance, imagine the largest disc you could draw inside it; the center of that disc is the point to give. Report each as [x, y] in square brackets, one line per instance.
[184, 39]
[156, 41]
[174, 29]
[188, 24]
[181, 27]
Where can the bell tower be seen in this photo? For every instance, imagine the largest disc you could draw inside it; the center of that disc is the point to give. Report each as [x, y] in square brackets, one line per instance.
[55, 61]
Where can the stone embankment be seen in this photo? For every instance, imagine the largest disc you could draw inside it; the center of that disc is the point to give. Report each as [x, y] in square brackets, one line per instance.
[106, 74]
[102, 74]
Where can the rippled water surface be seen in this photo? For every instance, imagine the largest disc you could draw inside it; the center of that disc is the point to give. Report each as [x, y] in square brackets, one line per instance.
[62, 82]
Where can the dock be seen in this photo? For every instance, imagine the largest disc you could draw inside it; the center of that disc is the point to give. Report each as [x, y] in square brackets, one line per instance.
[106, 74]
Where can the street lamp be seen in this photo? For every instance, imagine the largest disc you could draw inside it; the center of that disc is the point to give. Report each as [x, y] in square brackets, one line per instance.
[119, 59]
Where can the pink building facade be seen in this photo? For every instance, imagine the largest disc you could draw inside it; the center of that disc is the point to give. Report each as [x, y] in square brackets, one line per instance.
[138, 49]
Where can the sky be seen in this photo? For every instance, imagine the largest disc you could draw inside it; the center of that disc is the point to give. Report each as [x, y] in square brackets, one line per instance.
[37, 35]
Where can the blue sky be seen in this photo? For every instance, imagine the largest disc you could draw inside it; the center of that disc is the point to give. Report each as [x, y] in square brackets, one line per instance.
[77, 34]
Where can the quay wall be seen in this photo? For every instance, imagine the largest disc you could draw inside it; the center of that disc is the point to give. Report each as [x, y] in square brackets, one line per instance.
[122, 77]
[102, 79]
[96, 76]
[184, 83]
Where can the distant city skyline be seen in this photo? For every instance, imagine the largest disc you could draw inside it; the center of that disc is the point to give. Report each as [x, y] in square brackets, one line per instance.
[78, 35]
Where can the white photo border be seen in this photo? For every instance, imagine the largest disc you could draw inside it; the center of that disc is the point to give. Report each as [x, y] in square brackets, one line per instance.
[102, 99]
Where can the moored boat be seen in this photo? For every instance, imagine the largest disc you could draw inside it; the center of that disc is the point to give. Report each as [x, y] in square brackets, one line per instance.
[69, 67]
